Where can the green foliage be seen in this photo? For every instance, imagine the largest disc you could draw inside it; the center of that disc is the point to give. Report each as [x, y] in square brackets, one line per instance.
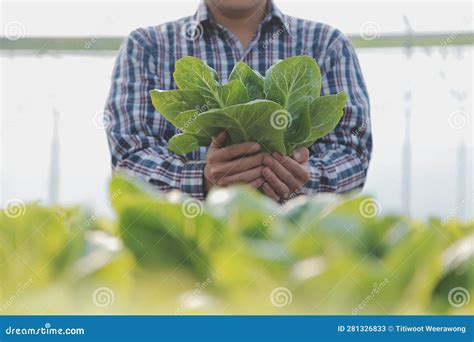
[281, 111]
[169, 253]
[245, 121]
[251, 80]
[47, 252]
[292, 82]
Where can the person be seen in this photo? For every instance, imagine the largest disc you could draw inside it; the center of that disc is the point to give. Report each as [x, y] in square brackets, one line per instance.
[223, 32]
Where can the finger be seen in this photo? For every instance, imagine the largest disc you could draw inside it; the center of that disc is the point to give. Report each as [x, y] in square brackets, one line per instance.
[243, 177]
[238, 150]
[294, 168]
[282, 173]
[219, 140]
[257, 183]
[278, 186]
[301, 154]
[240, 165]
[269, 192]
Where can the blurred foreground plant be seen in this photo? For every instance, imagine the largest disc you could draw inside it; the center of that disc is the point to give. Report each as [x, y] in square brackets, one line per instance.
[238, 252]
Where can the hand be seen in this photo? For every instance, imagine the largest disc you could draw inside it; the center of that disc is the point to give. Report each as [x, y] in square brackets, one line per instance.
[227, 165]
[285, 175]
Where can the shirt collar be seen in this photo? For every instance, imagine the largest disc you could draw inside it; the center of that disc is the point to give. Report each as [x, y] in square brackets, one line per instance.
[202, 14]
[275, 13]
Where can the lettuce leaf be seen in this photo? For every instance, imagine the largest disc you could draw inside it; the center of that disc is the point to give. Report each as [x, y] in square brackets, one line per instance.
[245, 122]
[192, 74]
[251, 79]
[290, 82]
[281, 111]
[326, 112]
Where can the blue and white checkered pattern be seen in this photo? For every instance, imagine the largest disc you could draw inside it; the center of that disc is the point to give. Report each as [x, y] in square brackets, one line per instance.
[138, 135]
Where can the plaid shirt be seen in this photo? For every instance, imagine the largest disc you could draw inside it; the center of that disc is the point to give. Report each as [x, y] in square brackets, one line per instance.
[138, 135]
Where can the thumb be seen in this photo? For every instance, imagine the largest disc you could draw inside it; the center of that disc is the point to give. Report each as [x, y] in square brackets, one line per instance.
[301, 155]
[219, 140]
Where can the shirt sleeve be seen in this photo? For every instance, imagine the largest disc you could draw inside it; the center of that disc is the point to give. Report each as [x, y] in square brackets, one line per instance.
[340, 160]
[136, 133]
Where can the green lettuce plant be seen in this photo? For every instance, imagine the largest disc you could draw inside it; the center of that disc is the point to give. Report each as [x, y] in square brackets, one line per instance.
[167, 253]
[281, 111]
